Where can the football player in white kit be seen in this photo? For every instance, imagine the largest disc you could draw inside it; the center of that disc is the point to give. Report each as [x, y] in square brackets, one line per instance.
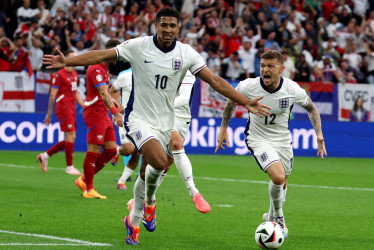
[122, 88]
[159, 64]
[268, 138]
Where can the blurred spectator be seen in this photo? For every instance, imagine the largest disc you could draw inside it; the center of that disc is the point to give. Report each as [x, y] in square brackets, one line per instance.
[25, 13]
[20, 58]
[270, 42]
[249, 35]
[247, 53]
[6, 47]
[193, 36]
[63, 4]
[41, 13]
[333, 26]
[354, 58]
[289, 66]
[358, 112]
[282, 33]
[234, 66]
[214, 63]
[325, 70]
[34, 45]
[302, 69]
[346, 72]
[202, 53]
[369, 58]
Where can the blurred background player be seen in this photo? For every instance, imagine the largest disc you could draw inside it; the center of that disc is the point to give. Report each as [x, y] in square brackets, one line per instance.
[100, 129]
[269, 139]
[64, 87]
[122, 88]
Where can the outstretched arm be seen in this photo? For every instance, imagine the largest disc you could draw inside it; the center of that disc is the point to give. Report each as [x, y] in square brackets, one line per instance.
[223, 87]
[315, 119]
[222, 137]
[89, 58]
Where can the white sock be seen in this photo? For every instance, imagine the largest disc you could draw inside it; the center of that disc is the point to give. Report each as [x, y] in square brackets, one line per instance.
[284, 196]
[127, 172]
[161, 178]
[276, 198]
[45, 154]
[137, 210]
[184, 167]
[152, 178]
[69, 166]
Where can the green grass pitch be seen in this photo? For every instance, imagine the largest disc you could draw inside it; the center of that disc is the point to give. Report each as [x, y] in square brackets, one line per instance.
[329, 205]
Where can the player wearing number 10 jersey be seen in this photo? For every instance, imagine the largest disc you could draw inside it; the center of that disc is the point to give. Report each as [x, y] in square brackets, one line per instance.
[159, 64]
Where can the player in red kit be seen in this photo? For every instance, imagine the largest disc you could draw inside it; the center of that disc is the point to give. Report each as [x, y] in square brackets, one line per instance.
[100, 129]
[64, 91]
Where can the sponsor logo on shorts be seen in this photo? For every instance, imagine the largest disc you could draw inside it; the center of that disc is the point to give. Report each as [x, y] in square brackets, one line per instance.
[263, 157]
[284, 103]
[138, 135]
[100, 137]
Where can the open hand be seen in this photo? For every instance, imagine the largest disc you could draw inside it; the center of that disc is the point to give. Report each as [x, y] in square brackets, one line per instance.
[55, 61]
[257, 108]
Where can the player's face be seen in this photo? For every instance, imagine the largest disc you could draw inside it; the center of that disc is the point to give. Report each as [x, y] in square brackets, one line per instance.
[167, 29]
[270, 70]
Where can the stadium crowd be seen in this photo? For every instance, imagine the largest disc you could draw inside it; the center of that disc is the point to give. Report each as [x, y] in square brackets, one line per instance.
[325, 41]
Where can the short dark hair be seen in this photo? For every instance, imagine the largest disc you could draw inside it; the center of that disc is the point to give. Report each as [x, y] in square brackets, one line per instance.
[67, 52]
[168, 11]
[111, 43]
[273, 54]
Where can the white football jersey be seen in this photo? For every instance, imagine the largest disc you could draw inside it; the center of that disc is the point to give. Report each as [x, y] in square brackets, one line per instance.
[123, 83]
[184, 97]
[274, 128]
[157, 75]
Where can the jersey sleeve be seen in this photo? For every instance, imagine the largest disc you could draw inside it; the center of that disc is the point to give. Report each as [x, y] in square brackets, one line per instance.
[197, 62]
[301, 97]
[98, 77]
[123, 81]
[128, 50]
[56, 81]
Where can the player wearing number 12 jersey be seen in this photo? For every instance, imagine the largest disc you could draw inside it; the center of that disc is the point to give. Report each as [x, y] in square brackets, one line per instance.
[269, 139]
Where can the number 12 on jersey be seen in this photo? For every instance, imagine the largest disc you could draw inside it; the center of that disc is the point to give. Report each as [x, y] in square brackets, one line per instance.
[271, 118]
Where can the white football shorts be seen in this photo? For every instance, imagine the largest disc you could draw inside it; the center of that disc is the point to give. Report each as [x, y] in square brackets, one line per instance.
[140, 132]
[181, 126]
[122, 136]
[266, 154]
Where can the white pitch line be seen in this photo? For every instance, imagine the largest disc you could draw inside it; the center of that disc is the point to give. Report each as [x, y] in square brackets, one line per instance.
[80, 242]
[219, 179]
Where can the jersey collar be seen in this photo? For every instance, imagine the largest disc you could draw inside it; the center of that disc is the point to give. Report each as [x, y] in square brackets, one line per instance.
[267, 89]
[167, 49]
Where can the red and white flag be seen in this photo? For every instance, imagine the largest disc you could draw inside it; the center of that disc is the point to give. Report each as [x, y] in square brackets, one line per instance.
[16, 92]
[43, 82]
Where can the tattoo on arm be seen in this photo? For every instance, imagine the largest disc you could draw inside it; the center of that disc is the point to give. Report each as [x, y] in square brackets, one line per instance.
[51, 103]
[227, 113]
[314, 116]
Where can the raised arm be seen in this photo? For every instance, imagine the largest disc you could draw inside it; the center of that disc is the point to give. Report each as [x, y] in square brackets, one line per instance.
[222, 137]
[89, 58]
[223, 87]
[315, 119]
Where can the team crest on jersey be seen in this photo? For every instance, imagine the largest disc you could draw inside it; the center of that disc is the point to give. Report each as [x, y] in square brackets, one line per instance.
[177, 64]
[53, 80]
[99, 78]
[263, 157]
[284, 103]
[70, 125]
[99, 137]
[138, 135]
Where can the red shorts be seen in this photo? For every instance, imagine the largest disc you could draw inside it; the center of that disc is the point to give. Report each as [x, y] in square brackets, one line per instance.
[99, 128]
[68, 122]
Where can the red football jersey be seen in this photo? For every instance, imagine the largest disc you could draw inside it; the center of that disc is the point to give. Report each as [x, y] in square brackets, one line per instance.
[96, 76]
[66, 82]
